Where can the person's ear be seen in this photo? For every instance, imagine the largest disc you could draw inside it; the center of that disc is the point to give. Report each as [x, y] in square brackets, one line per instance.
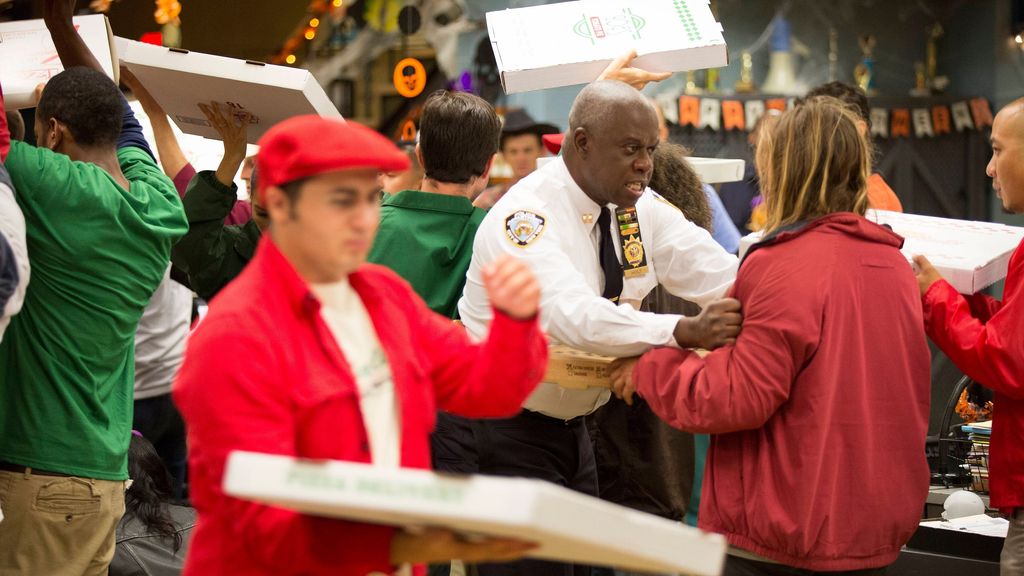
[486, 175]
[276, 203]
[419, 155]
[54, 134]
[862, 128]
[581, 141]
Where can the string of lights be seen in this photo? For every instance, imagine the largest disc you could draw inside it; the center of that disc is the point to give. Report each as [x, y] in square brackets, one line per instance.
[307, 30]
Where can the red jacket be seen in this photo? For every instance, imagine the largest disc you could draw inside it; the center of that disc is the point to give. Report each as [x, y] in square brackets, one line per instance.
[983, 337]
[263, 373]
[820, 410]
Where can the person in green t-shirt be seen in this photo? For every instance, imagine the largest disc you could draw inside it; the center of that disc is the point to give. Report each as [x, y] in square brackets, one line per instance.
[426, 236]
[100, 218]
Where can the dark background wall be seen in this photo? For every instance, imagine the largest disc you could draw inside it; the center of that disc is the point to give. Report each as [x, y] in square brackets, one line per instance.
[250, 29]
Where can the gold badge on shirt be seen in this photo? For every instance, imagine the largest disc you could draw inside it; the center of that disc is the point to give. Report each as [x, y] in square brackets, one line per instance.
[634, 262]
[524, 227]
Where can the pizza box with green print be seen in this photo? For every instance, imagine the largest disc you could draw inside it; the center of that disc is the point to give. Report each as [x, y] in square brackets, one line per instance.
[572, 42]
[567, 525]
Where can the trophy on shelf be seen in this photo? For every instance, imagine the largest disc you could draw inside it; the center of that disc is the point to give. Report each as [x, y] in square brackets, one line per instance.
[920, 81]
[691, 83]
[833, 54]
[864, 73]
[746, 84]
[937, 84]
[712, 75]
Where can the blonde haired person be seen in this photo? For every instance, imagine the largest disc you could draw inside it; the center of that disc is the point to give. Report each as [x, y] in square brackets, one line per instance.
[819, 409]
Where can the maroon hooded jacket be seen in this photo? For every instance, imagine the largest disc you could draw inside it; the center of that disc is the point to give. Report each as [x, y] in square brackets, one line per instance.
[820, 410]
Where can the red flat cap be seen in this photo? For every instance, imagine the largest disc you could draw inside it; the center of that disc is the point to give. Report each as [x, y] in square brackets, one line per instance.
[553, 142]
[306, 146]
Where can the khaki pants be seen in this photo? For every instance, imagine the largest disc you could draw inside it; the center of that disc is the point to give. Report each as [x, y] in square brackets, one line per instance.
[1011, 562]
[57, 525]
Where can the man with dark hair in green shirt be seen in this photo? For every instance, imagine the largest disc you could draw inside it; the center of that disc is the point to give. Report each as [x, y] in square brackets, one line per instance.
[100, 220]
[426, 235]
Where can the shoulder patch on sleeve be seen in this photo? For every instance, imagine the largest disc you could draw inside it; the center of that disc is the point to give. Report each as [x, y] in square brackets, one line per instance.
[662, 199]
[523, 227]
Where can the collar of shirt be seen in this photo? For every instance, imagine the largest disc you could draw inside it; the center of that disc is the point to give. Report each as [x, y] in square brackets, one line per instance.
[281, 276]
[419, 200]
[586, 209]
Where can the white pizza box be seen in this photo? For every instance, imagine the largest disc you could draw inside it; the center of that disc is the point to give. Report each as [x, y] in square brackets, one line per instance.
[570, 43]
[970, 255]
[717, 170]
[30, 59]
[179, 80]
[710, 170]
[567, 525]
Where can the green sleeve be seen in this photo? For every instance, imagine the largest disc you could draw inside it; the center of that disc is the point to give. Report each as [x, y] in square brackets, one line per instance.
[158, 199]
[211, 253]
[41, 178]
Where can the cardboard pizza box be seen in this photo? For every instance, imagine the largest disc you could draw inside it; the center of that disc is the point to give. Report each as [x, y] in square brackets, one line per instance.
[180, 80]
[29, 57]
[567, 525]
[970, 255]
[568, 43]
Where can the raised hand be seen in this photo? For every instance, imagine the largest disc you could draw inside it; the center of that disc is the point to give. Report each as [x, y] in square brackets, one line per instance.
[512, 287]
[58, 10]
[926, 273]
[233, 129]
[621, 70]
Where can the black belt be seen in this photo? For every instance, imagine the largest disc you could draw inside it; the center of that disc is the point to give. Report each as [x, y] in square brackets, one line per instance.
[18, 468]
[544, 417]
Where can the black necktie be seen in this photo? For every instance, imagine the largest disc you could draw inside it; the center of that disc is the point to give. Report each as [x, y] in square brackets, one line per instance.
[609, 261]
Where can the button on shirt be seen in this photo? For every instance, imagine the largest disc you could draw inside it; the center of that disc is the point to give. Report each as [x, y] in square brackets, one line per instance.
[564, 255]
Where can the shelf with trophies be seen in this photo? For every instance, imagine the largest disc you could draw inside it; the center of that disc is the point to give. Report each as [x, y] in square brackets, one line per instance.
[931, 148]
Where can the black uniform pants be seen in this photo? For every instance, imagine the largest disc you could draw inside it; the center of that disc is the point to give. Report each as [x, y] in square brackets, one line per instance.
[533, 445]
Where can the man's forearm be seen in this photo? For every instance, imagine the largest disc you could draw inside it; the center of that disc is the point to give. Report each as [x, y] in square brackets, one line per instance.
[70, 46]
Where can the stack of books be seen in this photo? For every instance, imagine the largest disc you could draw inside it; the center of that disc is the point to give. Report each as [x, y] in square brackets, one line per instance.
[980, 434]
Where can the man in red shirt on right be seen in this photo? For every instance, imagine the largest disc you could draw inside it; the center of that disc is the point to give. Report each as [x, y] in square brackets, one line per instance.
[982, 336]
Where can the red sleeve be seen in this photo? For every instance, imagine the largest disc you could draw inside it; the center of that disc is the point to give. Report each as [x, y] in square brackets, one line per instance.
[241, 213]
[983, 306]
[183, 178]
[738, 387]
[990, 352]
[229, 392]
[5, 131]
[490, 379]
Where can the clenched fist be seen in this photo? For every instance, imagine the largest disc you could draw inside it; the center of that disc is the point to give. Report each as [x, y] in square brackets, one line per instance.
[512, 288]
[717, 325]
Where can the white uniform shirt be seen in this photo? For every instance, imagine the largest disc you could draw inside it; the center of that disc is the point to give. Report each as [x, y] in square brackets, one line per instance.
[560, 243]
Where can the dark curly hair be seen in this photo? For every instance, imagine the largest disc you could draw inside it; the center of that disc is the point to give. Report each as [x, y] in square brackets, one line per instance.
[151, 489]
[677, 182]
[87, 102]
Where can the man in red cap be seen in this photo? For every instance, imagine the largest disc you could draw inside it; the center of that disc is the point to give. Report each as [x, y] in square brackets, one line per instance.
[312, 353]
